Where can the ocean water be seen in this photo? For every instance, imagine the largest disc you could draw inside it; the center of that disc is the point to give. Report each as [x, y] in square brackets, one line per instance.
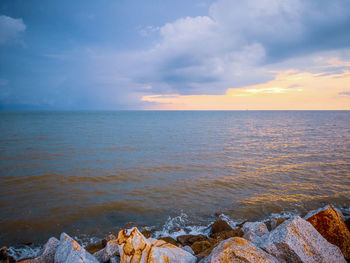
[89, 173]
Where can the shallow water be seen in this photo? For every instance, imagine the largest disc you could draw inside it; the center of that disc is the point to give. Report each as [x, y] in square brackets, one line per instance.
[89, 173]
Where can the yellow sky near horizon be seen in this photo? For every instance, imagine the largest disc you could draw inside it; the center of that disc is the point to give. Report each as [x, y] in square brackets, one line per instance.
[290, 90]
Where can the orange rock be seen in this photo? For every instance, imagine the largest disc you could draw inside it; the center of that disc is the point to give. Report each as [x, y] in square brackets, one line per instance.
[329, 223]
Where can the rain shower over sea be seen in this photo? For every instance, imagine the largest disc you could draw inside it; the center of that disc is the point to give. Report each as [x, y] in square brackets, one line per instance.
[89, 173]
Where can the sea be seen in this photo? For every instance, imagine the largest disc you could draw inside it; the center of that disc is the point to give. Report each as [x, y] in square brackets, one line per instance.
[91, 173]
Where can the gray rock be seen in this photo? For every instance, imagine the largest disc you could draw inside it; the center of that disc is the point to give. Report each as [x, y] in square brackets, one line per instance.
[110, 250]
[134, 247]
[114, 260]
[253, 230]
[188, 249]
[296, 240]
[237, 249]
[69, 251]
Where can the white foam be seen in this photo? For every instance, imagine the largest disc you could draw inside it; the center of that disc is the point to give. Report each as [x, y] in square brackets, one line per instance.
[23, 252]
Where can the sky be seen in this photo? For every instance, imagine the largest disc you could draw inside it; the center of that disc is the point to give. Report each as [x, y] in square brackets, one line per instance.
[175, 55]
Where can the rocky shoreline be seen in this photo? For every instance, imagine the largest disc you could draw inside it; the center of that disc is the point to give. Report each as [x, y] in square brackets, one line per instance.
[320, 236]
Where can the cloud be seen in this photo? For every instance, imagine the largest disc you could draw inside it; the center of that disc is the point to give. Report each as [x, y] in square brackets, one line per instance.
[344, 93]
[237, 44]
[11, 29]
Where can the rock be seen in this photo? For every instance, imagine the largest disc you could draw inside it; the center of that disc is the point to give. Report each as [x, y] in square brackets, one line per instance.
[200, 246]
[213, 243]
[114, 260]
[134, 247]
[93, 248]
[4, 257]
[347, 223]
[329, 223]
[253, 230]
[227, 234]
[296, 240]
[109, 251]
[47, 254]
[69, 251]
[274, 222]
[107, 238]
[170, 240]
[188, 240]
[129, 225]
[147, 233]
[188, 249]
[237, 249]
[219, 226]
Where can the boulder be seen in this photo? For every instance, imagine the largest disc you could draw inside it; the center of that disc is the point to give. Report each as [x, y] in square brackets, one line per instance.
[147, 233]
[170, 240]
[188, 240]
[329, 223]
[347, 223]
[93, 248]
[237, 249]
[200, 246]
[109, 251]
[253, 230]
[114, 260]
[219, 226]
[274, 222]
[134, 247]
[4, 257]
[296, 240]
[227, 234]
[69, 251]
[108, 238]
[47, 254]
[188, 249]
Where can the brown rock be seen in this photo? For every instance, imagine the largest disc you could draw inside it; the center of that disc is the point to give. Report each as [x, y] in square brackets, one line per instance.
[237, 249]
[130, 225]
[4, 257]
[330, 225]
[108, 238]
[147, 233]
[219, 226]
[347, 223]
[170, 240]
[200, 246]
[274, 222]
[188, 240]
[227, 234]
[92, 248]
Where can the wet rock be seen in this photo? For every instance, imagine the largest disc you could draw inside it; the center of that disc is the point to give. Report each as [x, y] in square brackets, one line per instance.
[219, 226]
[114, 260]
[134, 247]
[254, 230]
[130, 225]
[108, 238]
[188, 249]
[188, 240]
[170, 240]
[274, 222]
[296, 240]
[213, 243]
[109, 251]
[4, 257]
[47, 254]
[147, 233]
[227, 234]
[200, 246]
[329, 223]
[347, 223]
[93, 248]
[237, 249]
[69, 251]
